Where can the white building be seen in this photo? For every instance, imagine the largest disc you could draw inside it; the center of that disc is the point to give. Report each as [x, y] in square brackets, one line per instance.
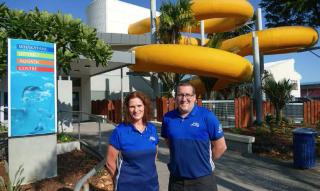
[284, 69]
[113, 17]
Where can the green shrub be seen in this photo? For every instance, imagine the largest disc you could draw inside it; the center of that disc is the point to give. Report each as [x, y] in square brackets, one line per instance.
[236, 130]
[270, 119]
[16, 184]
[318, 126]
[62, 138]
[263, 130]
[3, 128]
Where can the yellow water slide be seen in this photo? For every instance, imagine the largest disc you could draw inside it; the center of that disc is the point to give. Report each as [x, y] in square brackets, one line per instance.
[226, 64]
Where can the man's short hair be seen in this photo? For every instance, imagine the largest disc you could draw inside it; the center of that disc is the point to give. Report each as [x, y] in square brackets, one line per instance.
[185, 84]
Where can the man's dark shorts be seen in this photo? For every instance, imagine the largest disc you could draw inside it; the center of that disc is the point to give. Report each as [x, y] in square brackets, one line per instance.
[206, 183]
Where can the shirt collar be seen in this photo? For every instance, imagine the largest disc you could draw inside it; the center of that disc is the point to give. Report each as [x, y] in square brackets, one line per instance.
[134, 129]
[192, 113]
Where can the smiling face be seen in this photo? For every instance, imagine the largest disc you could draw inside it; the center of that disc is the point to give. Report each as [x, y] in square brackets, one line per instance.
[185, 98]
[136, 109]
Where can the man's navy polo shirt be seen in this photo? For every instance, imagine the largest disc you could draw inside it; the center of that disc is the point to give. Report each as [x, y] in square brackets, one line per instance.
[190, 141]
[137, 169]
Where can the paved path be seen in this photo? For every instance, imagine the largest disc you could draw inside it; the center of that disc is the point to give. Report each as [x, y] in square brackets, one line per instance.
[234, 171]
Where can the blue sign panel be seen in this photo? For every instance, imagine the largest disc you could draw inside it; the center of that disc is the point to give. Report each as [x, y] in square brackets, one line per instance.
[31, 88]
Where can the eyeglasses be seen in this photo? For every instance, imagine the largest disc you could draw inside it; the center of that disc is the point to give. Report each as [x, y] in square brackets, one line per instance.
[188, 96]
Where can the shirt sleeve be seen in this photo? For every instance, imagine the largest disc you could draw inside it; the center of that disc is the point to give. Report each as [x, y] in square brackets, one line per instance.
[164, 133]
[156, 135]
[214, 127]
[115, 139]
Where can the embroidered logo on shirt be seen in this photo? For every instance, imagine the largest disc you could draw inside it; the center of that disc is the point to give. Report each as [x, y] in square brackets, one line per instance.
[195, 124]
[151, 138]
[220, 128]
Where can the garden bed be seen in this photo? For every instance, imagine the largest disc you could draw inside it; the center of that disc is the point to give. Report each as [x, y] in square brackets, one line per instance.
[277, 144]
[71, 167]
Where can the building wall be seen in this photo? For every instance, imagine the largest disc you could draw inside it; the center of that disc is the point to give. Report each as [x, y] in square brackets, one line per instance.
[108, 85]
[85, 97]
[114, 16]
[310, 90]
[96, 14]
[284, 69]
[65, 105]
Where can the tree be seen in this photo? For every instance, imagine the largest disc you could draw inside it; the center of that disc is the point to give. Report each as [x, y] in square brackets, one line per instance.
[174, 18]
[278, 93]
[291, 12]
[71, 36]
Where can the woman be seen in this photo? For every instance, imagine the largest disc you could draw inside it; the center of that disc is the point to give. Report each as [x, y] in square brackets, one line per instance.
[135, 142]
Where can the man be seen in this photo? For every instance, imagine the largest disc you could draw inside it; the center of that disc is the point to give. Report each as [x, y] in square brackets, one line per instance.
[195, 138]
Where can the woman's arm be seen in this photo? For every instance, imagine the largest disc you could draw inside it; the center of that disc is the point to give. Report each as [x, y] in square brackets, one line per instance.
[111, 160]
[156, 153]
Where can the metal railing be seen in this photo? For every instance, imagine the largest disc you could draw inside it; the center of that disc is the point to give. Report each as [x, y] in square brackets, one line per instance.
[294, 112]
[4, 138]
[71, 119]
[83, 182]
[223, 109]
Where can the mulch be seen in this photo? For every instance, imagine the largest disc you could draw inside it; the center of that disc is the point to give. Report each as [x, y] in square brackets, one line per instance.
[71, 167]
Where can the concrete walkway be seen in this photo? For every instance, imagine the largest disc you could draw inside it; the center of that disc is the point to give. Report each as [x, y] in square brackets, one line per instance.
[234, 171]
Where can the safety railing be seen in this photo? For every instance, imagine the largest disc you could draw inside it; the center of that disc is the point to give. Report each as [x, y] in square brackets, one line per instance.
[77, 120]
[82, 184]
[294, 111]
[3, 137]
[223, 109]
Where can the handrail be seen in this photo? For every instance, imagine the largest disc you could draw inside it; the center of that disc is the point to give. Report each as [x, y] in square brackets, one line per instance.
[81, 183]
[98, 120]
[89, 114]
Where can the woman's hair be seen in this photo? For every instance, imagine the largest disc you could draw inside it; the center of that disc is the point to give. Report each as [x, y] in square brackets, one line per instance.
[146, 102]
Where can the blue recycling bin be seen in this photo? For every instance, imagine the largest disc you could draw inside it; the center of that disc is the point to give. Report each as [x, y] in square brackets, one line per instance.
[304, 148]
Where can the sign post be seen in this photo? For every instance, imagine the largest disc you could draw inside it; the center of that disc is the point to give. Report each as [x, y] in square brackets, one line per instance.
[32, 109]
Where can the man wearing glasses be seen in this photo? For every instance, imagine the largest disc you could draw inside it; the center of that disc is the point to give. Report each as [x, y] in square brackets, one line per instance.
[195, 138]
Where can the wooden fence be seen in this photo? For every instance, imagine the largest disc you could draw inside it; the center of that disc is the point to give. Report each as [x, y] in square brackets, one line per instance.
[311, 112]
[109, 108]
[167, 104]
[243, 108]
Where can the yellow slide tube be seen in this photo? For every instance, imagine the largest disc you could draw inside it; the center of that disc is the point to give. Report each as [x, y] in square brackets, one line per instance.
[192, 60]
[273, 40]
[218, 16]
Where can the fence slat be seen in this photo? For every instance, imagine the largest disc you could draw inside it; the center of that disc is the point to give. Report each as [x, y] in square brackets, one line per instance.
[243, 110]
[247, 112]
[312, 112]
[305, 112]
[236, 112]
[318, 111]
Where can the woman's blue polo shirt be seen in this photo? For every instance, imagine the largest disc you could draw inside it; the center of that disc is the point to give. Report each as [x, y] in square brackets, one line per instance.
[190, 141]
[137, 168]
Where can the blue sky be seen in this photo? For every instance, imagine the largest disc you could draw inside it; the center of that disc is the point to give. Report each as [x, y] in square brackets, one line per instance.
[307, 64]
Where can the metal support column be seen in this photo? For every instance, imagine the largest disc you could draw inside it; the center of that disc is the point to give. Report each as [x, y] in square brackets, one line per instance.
[202, 32]
[153, 4]
[259, 28]
[154, 77]
[121, 92]
[257, 78]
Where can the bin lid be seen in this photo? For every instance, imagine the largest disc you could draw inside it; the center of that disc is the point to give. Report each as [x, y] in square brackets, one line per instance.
[303, 130]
